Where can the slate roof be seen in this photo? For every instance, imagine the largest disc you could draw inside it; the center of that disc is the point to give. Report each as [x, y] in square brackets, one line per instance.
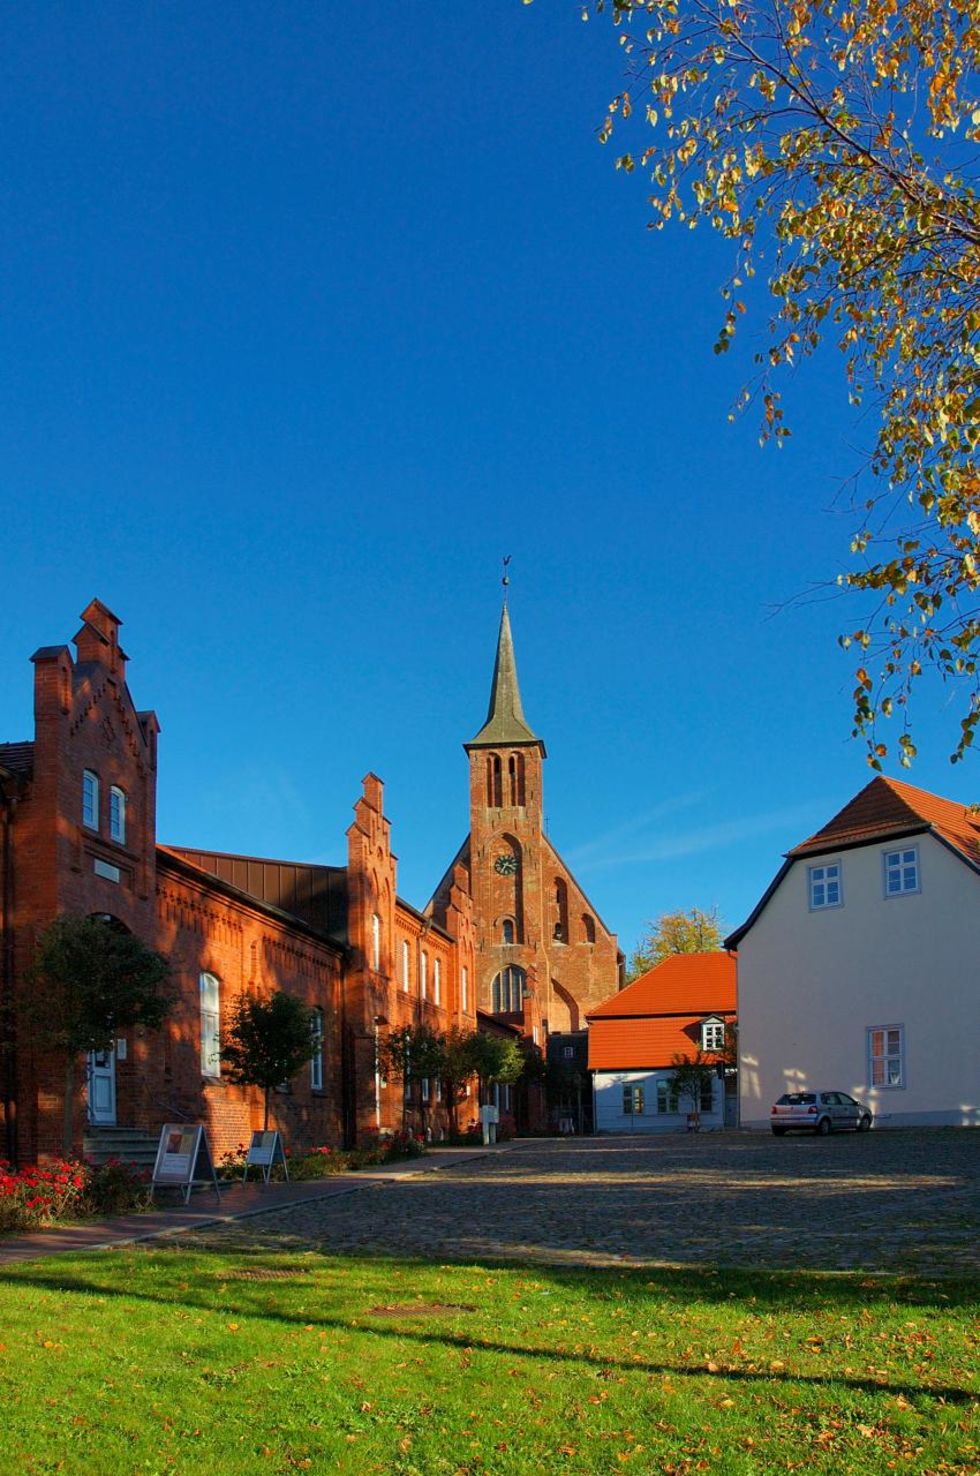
[505, 722]
[18, 758]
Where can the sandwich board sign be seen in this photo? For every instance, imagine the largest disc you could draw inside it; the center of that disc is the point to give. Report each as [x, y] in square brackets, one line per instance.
[184, 1159]
[265, 1151]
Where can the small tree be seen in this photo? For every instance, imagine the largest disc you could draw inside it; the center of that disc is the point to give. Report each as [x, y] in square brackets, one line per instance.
[413, 1054]
[89, 980]
[689, 1079]
[267, 1042]
[696, 931]
[495, 1059]
[457, 1068]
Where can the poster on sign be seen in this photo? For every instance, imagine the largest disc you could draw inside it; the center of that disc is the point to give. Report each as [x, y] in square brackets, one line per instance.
[264, 1152]
[184, 1159]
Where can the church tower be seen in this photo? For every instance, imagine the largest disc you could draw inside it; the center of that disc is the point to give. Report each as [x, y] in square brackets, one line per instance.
[543, 955]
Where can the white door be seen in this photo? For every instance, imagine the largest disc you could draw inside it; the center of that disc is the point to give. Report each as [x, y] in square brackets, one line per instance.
[102, 1087]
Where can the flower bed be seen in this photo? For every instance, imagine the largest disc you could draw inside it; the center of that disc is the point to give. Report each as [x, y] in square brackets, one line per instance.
[67, 1189]
[321, 1162]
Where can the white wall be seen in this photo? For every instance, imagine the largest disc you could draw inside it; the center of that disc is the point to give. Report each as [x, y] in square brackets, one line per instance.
[811, 983]
[609, 1115]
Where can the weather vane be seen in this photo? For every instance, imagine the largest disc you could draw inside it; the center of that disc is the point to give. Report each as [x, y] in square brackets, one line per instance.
[506, 579]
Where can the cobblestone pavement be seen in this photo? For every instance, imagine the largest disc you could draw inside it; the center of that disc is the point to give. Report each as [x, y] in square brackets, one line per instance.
[906, 1201]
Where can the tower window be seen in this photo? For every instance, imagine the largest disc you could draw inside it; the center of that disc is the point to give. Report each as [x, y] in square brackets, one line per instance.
[515, 778]
[495, 797]
[508, 930]
[588, 925]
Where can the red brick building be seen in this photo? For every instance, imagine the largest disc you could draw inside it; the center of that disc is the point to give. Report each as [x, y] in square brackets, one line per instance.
[508, 931]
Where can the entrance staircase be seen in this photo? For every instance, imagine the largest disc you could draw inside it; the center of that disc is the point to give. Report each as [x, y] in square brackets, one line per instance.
[129, 1145]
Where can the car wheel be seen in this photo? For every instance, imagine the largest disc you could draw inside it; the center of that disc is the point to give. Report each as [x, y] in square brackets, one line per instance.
[824, 1126]
[864, 1125]
[778, 1132]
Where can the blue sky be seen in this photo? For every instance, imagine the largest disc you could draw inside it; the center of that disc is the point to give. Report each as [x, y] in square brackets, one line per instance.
[312, 313]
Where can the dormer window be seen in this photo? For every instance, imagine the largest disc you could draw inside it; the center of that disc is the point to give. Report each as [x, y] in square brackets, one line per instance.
[117, 814]
[90, 800]
[713, 1034]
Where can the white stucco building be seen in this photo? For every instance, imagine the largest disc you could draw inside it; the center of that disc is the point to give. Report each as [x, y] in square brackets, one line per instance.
[858, 969]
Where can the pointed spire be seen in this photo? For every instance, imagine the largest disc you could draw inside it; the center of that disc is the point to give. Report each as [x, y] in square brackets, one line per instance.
[505, 722]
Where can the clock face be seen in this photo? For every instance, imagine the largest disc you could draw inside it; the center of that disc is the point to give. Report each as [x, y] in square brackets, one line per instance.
[505, 865]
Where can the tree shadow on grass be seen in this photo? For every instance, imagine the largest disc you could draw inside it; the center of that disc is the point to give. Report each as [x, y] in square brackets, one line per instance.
[221, 1292]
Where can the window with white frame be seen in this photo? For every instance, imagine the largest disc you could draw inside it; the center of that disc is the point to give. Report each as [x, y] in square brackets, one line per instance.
[117, 814]
[633, 1101]
[886, 1056]
[825, 886]
[90, 800]
[424, 976]
[713, 1035]
[316, 1060]
[406, 965]
[375, 942]
[425, 1089]
[667, 1099]
[437, 980]
[464, 989]
[210, 990]
[901, 871]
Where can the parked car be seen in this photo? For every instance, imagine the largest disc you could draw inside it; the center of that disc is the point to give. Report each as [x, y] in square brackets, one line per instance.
[819, 1112]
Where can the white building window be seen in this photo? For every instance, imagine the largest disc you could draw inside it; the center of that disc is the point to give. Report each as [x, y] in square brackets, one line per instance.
[90, 800]
[437, 980]
[901, 872]
[316, 1060]
[375, 942]
[117, 814]
[424, 976]
[425, 1089]
[210, 1025]
[406, 965]
[667, 1100]
[713, 1035]
[825, 886]
[886, 1056]
[633, 1101]
[464, 990]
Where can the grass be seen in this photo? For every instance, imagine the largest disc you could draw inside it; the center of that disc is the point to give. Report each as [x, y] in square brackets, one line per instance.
[170, 1360]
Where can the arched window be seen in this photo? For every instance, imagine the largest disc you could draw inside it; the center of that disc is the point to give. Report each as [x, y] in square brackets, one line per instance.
[117, 814]
[495, 796]
[515, 778]
[375, 942]
[508, 929]
[560, 931]
[90, 800]
[210, 990]
[588, 923]
[508, 990]
[424, 976]
[437, 981]
[406, 965]
[316, 1060]
[464, 990]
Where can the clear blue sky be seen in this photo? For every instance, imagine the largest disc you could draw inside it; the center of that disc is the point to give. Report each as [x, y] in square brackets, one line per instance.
[311, 313]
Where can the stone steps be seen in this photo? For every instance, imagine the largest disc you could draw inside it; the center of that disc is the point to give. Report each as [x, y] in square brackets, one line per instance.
[129, 1145]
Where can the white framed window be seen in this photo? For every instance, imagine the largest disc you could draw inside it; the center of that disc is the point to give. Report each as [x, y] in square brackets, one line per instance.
[316, 1060]
[437, 981]
[375, 942]
[425, 1089]
[633, 1101]
[825, 886]
[901, 871]
[464, 989]
[713, 1035]
[117, 814]
[424, 976]
[667, 1099]
[406, 965]
[886, 1056]
[210, 990]
[90, 800]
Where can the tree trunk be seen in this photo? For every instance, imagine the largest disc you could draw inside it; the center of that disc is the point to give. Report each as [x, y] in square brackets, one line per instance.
[265, 1118]
[68, 1122]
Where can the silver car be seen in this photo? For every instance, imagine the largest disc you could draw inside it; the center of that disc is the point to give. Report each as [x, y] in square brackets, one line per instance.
[818, 1112]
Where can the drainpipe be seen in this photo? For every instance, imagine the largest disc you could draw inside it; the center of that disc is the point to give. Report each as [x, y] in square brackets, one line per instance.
[8, 1032]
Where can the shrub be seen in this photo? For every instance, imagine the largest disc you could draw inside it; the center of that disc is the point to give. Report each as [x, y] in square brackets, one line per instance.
[115, 1188]
[37, 1196]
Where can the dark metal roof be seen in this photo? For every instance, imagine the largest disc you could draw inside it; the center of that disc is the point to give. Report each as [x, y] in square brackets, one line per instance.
[18, 758]
[317, 895]
[505, 722]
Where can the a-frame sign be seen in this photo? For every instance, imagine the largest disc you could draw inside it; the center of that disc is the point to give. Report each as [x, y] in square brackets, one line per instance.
[184, 1158]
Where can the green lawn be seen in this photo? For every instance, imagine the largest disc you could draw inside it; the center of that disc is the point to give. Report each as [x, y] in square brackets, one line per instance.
[163, 1360]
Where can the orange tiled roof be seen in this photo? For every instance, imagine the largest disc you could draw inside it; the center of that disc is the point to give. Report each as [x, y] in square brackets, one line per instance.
[888, 807]
[646, 1042]
[684, 984]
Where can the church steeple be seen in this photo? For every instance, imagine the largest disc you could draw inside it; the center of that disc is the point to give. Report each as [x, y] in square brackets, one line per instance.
[506, 724]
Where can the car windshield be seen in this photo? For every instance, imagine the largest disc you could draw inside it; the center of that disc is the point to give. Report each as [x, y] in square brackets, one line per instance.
[797, 1099]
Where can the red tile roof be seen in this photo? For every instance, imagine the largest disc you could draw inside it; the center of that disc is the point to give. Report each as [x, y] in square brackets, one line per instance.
[646, 1042]
[684, 984]
[887, 807]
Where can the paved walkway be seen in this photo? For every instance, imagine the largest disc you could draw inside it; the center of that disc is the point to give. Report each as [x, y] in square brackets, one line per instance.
[900, 1201]
[237, 1202]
